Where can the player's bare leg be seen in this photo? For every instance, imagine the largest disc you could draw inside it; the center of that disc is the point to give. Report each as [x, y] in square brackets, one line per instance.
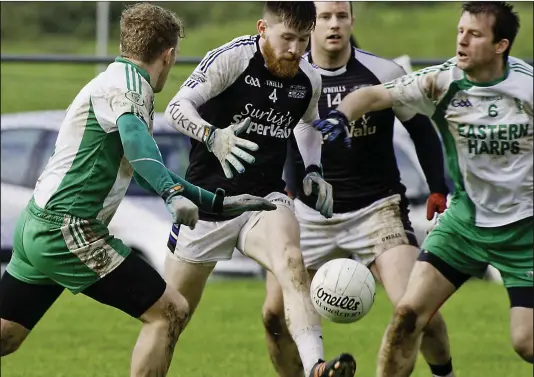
[282, 348]
[521, 329]
[11, 336]
[427, 289]
[187, 278]
[392, 268]
[162, 324]
[274, 243]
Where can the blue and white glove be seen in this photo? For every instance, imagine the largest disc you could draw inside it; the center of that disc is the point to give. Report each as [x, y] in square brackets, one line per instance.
[314, 183]
[335, 124]
[227, 147]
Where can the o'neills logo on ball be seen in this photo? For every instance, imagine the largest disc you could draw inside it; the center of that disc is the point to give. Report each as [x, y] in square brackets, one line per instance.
[342, 302]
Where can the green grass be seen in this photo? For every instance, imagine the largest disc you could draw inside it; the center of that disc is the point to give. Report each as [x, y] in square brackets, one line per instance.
[421, 31]
[78, 337]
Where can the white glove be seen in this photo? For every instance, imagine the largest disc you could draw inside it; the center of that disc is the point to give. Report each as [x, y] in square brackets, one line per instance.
[226, 146]
[313, 182]
[183, 211]
[236, 205]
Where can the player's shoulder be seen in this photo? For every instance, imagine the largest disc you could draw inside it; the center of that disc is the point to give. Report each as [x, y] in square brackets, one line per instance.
[243, 46]
[384, 69]
[123, 77]
[311, 71]
[520, 71]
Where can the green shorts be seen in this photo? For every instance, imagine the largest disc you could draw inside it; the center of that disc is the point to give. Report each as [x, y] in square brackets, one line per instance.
[470, 249]
[56, 248]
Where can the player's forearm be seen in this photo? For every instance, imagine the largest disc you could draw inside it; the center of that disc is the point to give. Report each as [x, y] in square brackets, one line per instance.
[429, 152]
[205, 200]
[364, 100]
[182, 114]
[309, 142]
[143, 183]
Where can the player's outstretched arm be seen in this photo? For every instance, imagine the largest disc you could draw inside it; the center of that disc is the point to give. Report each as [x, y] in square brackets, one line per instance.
[144, 156]
[230, 206]
[224, 143]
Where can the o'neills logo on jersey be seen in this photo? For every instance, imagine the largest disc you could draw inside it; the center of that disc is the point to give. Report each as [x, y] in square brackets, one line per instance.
[342, 302]
[266, 122]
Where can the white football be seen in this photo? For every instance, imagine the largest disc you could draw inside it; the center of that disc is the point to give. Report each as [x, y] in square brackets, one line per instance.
[343, 290]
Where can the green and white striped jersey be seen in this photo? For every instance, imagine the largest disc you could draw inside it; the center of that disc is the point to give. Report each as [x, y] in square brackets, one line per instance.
[487, 134]
[87, 176]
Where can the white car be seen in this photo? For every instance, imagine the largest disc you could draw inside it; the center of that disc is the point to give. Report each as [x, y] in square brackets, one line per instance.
[141, 221]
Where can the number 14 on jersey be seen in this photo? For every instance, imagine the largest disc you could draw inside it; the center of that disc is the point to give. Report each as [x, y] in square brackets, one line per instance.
[333, 101]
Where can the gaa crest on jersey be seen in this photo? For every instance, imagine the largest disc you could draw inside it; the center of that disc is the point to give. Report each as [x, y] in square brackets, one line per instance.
[135, 97]
[296, 91]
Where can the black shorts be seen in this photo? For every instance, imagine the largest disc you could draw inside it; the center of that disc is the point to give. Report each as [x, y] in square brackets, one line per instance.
[133, 287]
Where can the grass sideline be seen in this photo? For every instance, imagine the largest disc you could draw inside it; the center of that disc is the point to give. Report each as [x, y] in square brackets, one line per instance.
[28, 87]
[79, 338]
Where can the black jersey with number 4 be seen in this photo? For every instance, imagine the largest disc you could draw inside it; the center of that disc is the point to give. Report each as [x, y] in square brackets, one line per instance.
[368, 170]
[232, 83]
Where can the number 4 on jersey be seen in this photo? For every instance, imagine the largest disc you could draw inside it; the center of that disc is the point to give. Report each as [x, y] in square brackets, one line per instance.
[273, 96]
[333, 102]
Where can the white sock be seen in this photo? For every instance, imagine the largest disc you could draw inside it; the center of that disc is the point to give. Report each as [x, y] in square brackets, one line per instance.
[310, 345]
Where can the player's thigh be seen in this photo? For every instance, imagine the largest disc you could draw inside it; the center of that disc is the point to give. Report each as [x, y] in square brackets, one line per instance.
[454, 250]
[393, 268]
[318, 236]
[209, 242]
[23, 304]
[133, 287]
[273, 240]
[187, 278]
[375, 229]
[510, 252]
[521, 328]
[427, 289]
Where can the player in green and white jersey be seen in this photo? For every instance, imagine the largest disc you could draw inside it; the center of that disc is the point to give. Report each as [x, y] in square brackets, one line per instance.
[481, 102]
[61, 239]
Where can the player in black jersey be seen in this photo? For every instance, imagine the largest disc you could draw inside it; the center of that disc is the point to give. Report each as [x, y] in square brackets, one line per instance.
[260, 88]
[370, 221]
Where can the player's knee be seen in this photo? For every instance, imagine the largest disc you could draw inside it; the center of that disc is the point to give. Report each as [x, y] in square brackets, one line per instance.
[11, 337]
[171, 314]
[290, 268]
[522, 343]
[406, 321]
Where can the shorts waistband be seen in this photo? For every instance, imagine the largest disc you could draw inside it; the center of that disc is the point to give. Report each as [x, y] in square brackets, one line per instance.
[47, 215]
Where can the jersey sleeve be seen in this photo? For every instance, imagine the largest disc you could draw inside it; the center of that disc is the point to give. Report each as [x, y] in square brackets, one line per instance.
[418, 91]
[217, 71]
[312, 112]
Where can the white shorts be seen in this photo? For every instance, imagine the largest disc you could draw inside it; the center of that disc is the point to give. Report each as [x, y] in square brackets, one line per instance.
[214, 241]
[362, 235]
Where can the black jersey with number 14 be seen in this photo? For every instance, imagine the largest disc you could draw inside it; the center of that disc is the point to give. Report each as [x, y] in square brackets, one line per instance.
[368, 170]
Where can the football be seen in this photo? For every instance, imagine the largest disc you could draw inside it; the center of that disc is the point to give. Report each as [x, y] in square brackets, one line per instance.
[343, 290]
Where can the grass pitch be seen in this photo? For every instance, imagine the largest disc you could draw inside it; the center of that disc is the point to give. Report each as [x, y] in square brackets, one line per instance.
[80, 338]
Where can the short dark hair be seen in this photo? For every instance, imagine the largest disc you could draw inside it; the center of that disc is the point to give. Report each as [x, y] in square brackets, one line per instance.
[300, 15]
[146, 30]
[506, 24]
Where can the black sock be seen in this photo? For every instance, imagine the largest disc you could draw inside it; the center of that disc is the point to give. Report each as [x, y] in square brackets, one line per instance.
[441, 370]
